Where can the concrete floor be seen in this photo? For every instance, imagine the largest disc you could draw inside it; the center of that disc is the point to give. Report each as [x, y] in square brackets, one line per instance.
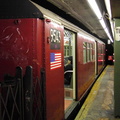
[99, 105]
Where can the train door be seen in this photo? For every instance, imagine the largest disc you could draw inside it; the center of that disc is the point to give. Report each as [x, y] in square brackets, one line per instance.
[54, 70]
[103, 54]
[96, 57]
[69, 68]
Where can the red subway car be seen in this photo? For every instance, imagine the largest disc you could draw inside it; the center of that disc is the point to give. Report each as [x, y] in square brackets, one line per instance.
[47, 44]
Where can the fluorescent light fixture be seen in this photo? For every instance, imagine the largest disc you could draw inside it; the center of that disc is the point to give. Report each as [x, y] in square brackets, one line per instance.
[102, 23]
[108, 6]
[95, 8]
[107, 3]
[97, 11]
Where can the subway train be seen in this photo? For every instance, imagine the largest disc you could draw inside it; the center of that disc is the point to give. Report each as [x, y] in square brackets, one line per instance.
[38, 43]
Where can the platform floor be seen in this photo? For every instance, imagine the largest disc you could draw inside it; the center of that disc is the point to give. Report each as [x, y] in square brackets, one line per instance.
[99, 104]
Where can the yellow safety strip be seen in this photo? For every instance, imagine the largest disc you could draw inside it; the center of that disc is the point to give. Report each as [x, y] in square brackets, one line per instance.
[89, 101]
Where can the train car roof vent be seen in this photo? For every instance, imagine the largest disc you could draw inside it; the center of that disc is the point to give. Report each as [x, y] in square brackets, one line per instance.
[11, 9]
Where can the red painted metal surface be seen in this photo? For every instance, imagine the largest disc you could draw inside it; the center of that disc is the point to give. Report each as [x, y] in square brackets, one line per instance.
[101, 56]
[18, 41]
[22, 43]
[85, 71]
[54, 77]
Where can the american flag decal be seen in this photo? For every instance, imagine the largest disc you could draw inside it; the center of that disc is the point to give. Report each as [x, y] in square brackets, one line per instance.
[55, 60]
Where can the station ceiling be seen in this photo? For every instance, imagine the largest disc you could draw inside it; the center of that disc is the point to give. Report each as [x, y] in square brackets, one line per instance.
[115, 7]
[81, 11]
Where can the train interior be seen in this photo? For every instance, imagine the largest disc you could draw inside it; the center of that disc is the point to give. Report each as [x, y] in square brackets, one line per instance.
[69, 51]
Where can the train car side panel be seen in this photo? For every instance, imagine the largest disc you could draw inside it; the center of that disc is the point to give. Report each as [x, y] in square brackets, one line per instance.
[54, 68]
[85, 66]
[38, 46]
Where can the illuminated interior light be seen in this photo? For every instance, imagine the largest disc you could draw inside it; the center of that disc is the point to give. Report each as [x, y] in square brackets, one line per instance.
[96, 10]
[86, 37]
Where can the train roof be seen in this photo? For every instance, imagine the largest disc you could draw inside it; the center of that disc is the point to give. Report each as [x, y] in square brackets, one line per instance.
[11, 9]
[59, 20]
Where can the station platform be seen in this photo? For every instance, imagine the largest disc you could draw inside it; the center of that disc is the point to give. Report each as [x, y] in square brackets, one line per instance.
[99, 104]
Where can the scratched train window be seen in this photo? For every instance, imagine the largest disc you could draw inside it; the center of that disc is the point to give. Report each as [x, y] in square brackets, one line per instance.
[55, 39]
[68, 43]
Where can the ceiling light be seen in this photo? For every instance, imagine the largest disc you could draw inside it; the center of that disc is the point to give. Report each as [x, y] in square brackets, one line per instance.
[108, 6]
[97, 11]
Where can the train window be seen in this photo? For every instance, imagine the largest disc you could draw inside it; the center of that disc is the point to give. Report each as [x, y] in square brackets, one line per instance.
[91, 48]
[91, 52]
[67, 43]
[84, 52]
[88, 52]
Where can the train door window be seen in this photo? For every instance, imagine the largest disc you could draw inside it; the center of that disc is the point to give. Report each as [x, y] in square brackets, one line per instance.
[69, 73]
[84, 52]
[67, 43]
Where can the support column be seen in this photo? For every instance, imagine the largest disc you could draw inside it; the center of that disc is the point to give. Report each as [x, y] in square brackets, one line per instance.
[117, 72]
